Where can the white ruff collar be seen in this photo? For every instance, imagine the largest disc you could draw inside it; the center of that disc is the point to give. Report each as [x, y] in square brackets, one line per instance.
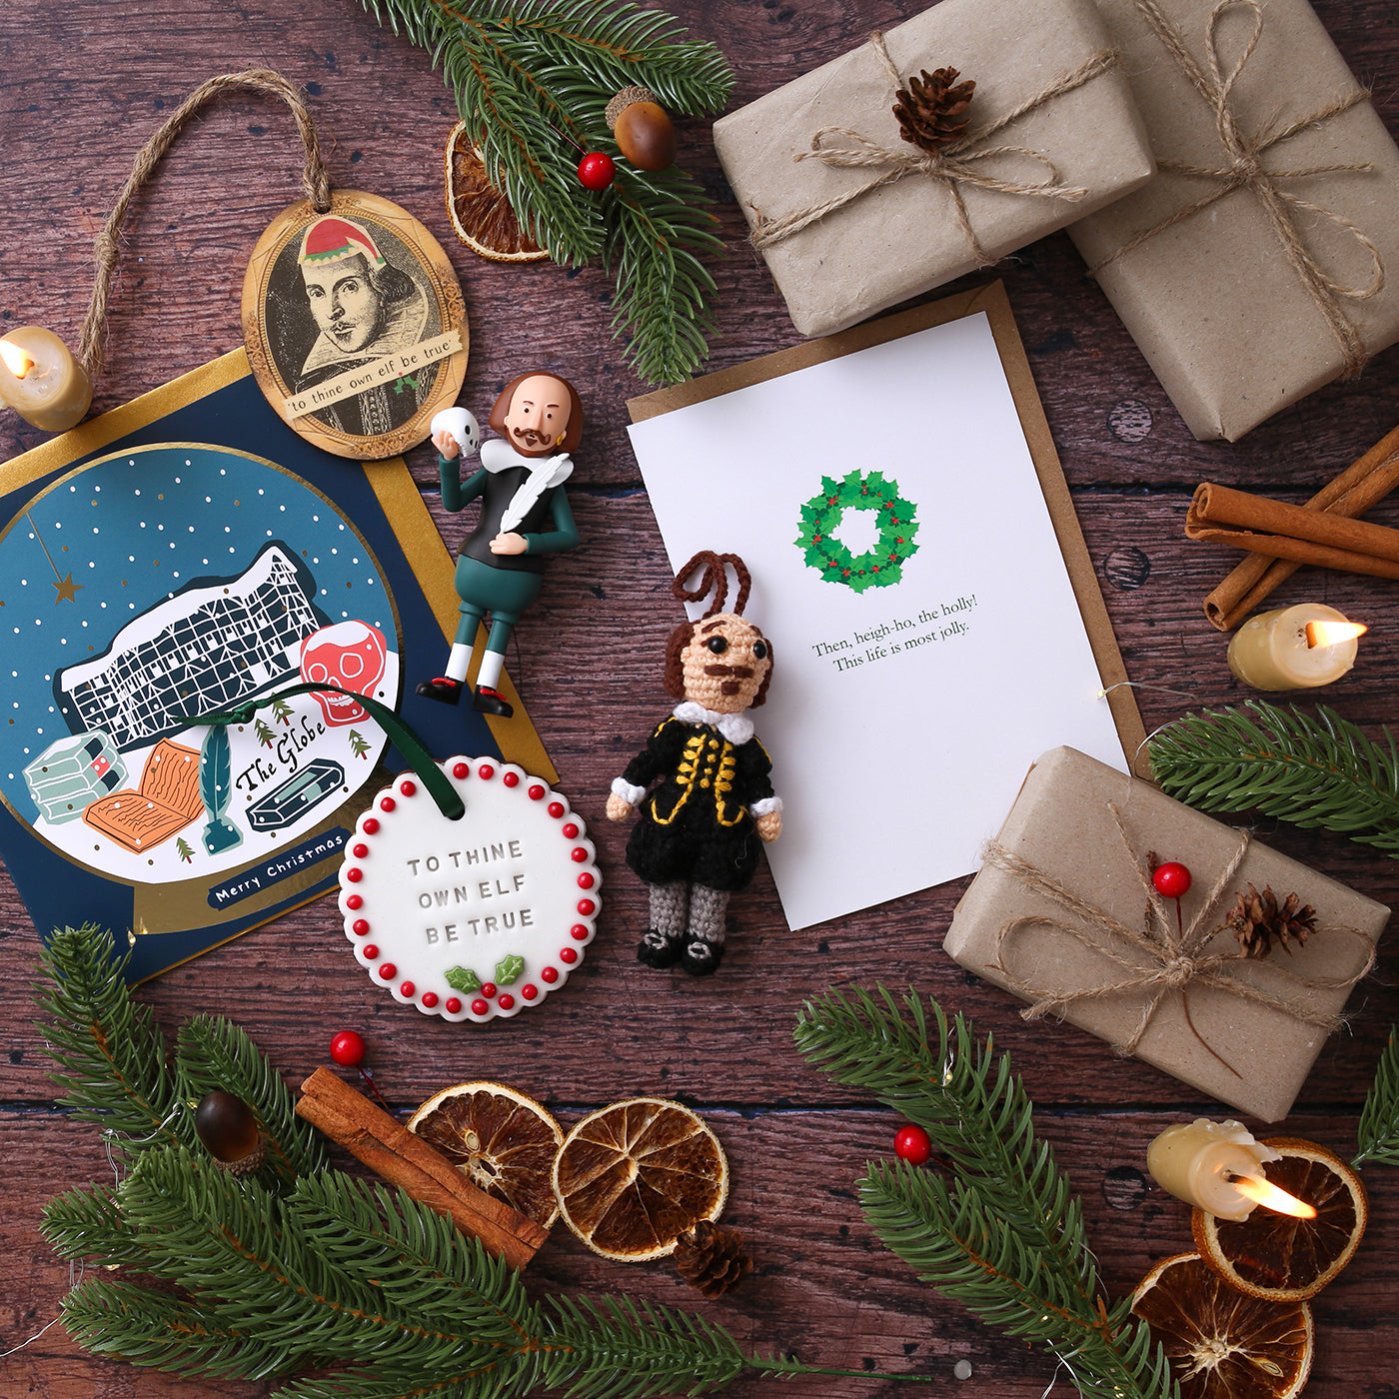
[737, 728]
[544, 474]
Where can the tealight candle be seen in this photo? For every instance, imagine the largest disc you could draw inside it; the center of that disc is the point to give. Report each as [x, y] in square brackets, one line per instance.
[1294, 648]
[1198, 1161]
[41, 380]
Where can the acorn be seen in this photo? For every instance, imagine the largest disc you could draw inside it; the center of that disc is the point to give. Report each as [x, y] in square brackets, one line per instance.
[642, 128]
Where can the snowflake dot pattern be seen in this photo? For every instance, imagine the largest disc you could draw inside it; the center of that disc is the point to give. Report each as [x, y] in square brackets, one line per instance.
[880, 566]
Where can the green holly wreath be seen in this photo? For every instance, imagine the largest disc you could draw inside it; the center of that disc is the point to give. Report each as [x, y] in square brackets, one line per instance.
[879, 567]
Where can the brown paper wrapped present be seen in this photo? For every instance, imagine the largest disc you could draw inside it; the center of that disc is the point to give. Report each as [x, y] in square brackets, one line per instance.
[1263, 261]
[852, 218]
[1064, 915]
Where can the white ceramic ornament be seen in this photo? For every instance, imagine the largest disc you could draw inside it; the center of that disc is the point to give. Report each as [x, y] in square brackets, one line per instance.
[472, 919]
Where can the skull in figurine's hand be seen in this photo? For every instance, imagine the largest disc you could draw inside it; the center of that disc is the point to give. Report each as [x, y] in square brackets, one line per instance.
[350, 655]
[461, 426]
[723, 663]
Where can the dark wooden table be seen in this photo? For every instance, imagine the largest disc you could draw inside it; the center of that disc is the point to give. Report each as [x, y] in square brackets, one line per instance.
[83, 84]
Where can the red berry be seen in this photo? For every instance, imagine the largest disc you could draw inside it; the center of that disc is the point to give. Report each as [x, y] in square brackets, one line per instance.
[511, 779]
[596, 171]
[451, 1005]
[586, 881]
[578, 854]
[387, 804]
[387, 971]
[479, 1007]
[568, 956]
[536, 793]
[570, 830]
[354, 902]
[408, 989]
[488, 989]
[354, 875]
[578, 931]
[460, 770]
[359, 851]
[360, 927]
[506, 1002]
[485, 772]
[586, 907]
[549, 975]
[371, 825]
[347, 1048]
[912, 1144]
[1172, 880]
[529, 991]
[371, 951]
[408, 788]
[429, 999]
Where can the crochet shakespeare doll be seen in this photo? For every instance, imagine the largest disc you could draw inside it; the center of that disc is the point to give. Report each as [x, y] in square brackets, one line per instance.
[525, 515]
[702, 784]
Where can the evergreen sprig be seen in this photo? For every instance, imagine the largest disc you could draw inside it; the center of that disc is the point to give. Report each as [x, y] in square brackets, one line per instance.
[299, 1268]
[532, 79]
[1309, 770]
[1377, 1136]
[1003, 1234]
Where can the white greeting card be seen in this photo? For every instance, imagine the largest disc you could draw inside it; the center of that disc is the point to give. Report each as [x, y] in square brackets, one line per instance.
[928, 643]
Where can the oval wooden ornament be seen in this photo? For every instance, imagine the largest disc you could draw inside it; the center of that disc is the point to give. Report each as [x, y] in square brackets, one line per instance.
[355, 325]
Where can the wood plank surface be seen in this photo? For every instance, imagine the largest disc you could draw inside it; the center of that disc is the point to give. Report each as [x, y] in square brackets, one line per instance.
[81, 86]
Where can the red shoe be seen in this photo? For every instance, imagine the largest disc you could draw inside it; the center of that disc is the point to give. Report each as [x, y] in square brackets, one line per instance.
[443, 689]
[489, 701]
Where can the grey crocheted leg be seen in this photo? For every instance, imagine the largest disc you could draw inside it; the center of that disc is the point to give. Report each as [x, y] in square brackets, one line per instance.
[661, 945]
[705, 947]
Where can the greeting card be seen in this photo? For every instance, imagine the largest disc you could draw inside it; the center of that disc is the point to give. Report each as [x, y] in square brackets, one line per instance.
[933, 612]
[161, 564]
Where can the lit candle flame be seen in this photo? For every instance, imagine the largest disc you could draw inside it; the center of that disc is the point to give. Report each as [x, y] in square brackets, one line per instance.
[16, 361]
[1333, 633]
[1270, 1197]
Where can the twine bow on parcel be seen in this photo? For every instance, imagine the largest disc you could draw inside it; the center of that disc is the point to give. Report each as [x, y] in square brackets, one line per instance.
[1245, 170]
[954, 166]
[1160, 961]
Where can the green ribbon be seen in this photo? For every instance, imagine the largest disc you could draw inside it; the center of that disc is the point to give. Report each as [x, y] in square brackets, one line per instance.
[438, 784]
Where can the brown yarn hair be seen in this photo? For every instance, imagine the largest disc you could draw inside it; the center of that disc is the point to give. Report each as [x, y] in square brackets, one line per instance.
[573, 434]
[713, 576]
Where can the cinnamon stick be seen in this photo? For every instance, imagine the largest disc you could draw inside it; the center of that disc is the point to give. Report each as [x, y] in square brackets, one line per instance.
[403, 1159]
[1221, 515]
[1357, 489]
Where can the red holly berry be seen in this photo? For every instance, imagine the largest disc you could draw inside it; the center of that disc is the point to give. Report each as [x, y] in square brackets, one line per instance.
[452, 1005]
[817, 538]
[1171, 880]
[596, 171]
[912, 1144]
[347, 1049]
[479, 1007]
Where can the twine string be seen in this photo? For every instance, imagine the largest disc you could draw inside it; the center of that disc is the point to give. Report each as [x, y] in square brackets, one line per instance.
[1161, 960]
[954, 166]
[315, 181]
[1245, 170]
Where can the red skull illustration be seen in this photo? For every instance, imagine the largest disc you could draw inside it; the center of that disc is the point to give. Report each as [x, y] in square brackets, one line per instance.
[350, 655]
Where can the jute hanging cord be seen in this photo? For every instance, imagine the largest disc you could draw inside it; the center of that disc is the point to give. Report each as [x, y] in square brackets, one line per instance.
[954, 166]
[1161, 960]
[314, 180]
[1245, 171]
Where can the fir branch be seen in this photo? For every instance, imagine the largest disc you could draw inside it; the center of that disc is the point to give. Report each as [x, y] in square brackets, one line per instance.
[1309, 770]
[85, 1222]
[1005, 1236]
[155, 1329]
[110, 1055]
[532, 81]
[215, 1053]
[1377, 1136]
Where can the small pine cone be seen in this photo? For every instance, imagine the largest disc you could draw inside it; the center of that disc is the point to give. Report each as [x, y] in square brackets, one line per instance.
[712, 1258]
[1261, 923]
[932, 109]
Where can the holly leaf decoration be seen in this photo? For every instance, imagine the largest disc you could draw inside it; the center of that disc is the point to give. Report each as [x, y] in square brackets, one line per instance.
[463, 979]
[509, 969]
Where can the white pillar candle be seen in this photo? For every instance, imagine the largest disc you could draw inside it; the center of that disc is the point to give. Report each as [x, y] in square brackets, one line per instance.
[1273, 650]
[1194, 1162]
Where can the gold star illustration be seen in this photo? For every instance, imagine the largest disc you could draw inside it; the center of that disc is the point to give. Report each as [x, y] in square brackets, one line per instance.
[67, 589]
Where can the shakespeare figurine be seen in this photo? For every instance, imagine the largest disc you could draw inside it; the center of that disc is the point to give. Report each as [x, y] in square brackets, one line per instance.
[702, 784]
[524, 516]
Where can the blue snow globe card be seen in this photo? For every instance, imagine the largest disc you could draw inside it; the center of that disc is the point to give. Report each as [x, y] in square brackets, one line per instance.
[169, 560]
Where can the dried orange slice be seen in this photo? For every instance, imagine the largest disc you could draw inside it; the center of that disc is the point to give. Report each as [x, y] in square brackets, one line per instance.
[1280, 1258]
[1222, 1344]
[498, 1139]
[632, 1177]
[481, 215]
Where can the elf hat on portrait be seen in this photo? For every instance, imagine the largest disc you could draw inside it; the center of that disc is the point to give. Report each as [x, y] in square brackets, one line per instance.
[332, 238]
